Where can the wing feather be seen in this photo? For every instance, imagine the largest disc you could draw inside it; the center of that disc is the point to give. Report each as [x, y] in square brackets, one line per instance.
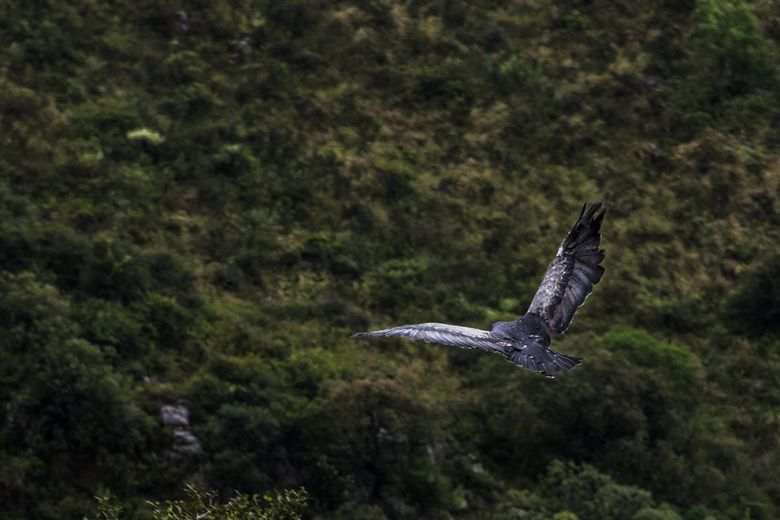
[573, 272]
[454, 335]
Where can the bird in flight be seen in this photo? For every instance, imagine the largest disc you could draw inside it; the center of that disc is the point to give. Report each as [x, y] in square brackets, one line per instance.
[526, 342]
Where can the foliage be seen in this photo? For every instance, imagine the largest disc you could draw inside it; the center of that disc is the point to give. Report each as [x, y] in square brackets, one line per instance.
[728, 37]
[754, 307]
[678, 364]
[282, 505]
[200, 201]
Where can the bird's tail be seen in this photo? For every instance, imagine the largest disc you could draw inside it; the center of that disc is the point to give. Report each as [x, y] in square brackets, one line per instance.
[543, 360]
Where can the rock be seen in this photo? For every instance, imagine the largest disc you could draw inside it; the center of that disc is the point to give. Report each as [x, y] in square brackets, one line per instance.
[186, 443]
[176, 416]
[178, 23]
[245, 44]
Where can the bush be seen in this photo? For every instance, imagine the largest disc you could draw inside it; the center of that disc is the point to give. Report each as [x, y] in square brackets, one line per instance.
[674, 363]
[729, 42]
[279, 505]
[753, 308]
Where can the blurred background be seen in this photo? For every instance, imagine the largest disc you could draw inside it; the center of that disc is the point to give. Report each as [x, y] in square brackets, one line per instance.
[200, 201]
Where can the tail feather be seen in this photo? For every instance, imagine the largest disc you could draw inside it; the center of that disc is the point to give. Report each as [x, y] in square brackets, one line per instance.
[543, 360]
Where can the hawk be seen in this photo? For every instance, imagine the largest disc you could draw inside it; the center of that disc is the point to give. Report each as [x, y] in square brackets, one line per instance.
[569, 279]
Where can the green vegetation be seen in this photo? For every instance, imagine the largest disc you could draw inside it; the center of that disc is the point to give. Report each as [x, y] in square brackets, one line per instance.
[200, 201]
[285, 505]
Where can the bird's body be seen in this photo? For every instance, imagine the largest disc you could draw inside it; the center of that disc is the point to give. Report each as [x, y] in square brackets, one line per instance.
[568, 281]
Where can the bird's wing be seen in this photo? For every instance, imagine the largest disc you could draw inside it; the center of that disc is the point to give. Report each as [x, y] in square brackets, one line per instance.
[464, 337]
[572, 273]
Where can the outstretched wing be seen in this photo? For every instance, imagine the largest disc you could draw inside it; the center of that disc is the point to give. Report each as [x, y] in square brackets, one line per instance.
[572, 273]
[464, 337]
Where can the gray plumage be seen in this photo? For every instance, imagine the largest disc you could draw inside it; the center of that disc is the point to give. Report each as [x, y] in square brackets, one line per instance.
[568, 281]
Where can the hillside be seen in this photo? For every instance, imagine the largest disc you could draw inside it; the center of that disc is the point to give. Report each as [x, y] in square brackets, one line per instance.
[201, 201]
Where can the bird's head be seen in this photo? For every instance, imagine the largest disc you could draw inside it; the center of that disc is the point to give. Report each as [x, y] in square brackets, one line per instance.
[502, 328]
